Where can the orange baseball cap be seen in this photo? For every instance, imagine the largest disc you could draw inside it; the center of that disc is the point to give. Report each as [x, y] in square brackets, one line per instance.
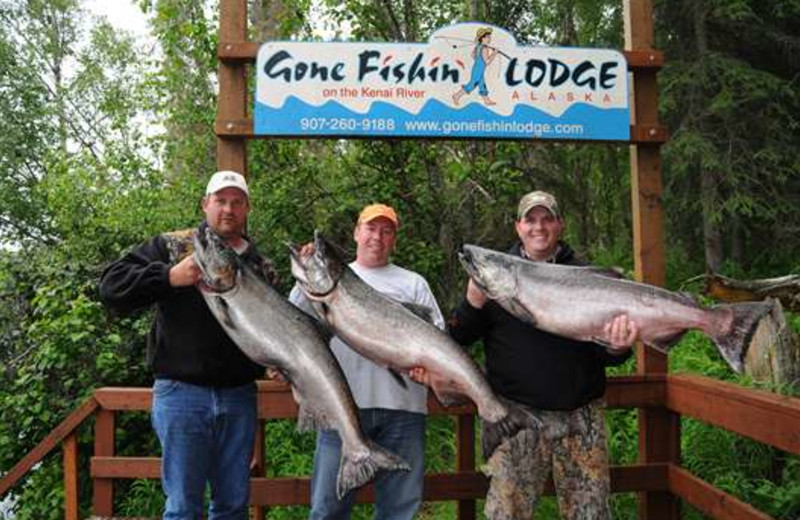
[374, 211]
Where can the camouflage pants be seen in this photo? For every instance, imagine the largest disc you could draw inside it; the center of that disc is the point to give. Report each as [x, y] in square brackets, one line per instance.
[570, 448]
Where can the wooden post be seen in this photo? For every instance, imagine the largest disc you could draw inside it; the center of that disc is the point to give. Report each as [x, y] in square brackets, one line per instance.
[71, 502]
[103, 488]
[659, 430]
[465, 459]
[259, 466]
[232, 101]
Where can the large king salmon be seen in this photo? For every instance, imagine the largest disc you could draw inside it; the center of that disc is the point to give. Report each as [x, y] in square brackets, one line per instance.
[273, 332]
[577, 302]
[397, 336]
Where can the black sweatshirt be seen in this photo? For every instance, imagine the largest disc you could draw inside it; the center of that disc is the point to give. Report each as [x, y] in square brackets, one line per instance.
[185, 342]
[531, 366]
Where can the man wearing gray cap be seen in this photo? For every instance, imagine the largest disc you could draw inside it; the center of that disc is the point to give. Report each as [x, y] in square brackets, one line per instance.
[560, 380]
[204, 395]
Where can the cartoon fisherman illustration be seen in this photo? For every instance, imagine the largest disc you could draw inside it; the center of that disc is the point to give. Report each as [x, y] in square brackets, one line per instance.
[483, 54]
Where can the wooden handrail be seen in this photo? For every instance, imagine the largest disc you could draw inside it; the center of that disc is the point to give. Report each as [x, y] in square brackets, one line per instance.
[53, 440]
[708, 499]
[634, 391]
[763, 416]
[768, 418]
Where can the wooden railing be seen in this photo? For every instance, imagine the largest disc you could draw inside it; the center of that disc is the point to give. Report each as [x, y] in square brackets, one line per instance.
[762, 416]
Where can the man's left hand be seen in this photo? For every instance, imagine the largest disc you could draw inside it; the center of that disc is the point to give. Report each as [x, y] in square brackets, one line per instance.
[621, 333]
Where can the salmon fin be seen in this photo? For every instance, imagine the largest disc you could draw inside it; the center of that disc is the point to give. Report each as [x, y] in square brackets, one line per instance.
[517, 419]
[518, 310]
[358, 468]
[225, 313]
[736, 325]
[310, 419]
[608, 272]
[665, 344]
[689, 297]
[398, 377]
[420, 311]
[321, 309]
[322, 327]
[447, 394]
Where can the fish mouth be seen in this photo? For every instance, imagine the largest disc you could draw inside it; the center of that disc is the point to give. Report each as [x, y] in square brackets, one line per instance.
[222, 284]
[297, 264]
[217, 276]
[469, 261]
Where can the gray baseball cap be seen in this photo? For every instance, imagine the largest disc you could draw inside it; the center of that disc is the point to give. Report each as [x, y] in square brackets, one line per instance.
[537, 198]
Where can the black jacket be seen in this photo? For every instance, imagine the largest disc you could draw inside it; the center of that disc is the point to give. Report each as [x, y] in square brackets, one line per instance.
[531, 366]
[185, 342]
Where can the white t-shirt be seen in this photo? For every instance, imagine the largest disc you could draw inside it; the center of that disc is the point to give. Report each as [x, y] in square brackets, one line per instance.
[372, 385]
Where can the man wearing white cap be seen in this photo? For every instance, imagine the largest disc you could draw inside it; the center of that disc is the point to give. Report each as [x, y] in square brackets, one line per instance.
[560, 380]
[204, 399]
[391, 414]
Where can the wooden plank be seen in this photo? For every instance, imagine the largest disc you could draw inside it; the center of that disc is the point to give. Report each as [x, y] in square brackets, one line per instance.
[641, 390]
[644, 59]
[649, 134]
[638, 477]
[125, 398]
[275, 399]
[58, 434]
[103, 488]
[70, 460]
[242, 128]
[659, 430]
[465, 460]
[461, 485]
[236, 52]
[232, 98]
[449, 486]
[765, 417]
[710, 500]
[258, 465]
[110, 467]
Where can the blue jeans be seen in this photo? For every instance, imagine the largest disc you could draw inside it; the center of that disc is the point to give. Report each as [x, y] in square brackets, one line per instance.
[206, 436]
[398, 494]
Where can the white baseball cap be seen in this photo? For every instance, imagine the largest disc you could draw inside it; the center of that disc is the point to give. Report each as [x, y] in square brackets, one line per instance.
[226, 179]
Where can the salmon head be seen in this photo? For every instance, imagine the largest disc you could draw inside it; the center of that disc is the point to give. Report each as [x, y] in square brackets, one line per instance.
[317, 272]
[490, 270]
[216, 260]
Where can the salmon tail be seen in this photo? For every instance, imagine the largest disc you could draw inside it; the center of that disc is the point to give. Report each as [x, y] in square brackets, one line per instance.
[358, 468]
[517, 419]
[734, 329]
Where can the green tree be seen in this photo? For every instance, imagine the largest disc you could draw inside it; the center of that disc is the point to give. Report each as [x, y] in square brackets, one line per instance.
[731, 101]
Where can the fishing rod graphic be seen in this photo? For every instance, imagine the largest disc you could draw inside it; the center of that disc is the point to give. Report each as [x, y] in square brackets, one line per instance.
[470, 43]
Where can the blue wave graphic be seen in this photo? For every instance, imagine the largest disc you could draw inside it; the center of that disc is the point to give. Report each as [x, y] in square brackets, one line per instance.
[474, 120]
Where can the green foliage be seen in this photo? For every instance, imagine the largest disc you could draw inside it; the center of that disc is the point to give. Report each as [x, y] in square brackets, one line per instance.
[730, 99]
[143, 498]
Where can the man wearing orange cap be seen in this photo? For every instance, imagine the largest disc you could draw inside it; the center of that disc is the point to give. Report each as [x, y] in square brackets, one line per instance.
[392, 414]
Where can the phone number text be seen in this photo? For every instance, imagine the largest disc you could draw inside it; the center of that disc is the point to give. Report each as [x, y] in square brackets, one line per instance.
[346, 124]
